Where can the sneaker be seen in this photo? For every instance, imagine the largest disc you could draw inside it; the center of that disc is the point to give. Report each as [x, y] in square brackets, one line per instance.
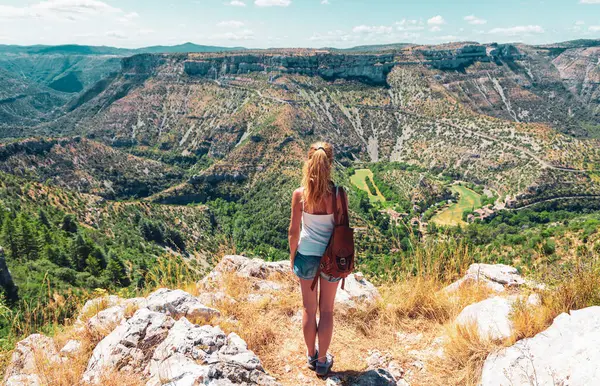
[312, 360]
[323, 369]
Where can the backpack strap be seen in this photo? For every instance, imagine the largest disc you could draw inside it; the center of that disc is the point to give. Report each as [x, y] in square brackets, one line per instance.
[335, 217]
[345, 216]
[334, 203]
[316, 279]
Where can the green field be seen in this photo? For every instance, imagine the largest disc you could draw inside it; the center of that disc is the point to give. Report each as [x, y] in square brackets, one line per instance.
[359, 180]
[452, 216]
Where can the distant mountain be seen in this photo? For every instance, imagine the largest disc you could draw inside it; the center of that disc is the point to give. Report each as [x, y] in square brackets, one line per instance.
[185, 48]
[75, 49]
[372, 48]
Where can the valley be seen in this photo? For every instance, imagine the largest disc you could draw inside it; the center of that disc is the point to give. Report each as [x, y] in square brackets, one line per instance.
[126, 170]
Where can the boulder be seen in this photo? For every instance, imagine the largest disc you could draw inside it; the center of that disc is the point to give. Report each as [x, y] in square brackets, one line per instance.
[491, 316]
[130, 346]
[106, 320]
[178, 303]
[24, 359]
[497, 277]
[246, 267]
[23, 380]
[565, 354]
[93, 306]
[71, 348]
[356, 290]
[193, 354]
[378, 377]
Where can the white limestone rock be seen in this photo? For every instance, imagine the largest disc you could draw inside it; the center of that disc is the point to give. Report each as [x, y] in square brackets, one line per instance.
[491, 316]
[567, 353]
[106, 320]
[130, 345]
[71, 348]
[178, 303]
[356, 290]
[497, 277]
[193, 354]
[24, 358]
[93, 306]
[23, 380]
[246, 267]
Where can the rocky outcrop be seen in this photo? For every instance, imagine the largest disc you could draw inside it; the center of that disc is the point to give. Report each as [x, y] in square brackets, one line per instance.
[6, 281]
[370, 69]
[156, 347]
[130, 346]
[178, 303]
[357, 289]
[161, 343]
[565, 354]
[248, 268]
[192, 354]
[27, 356]
[497, 277]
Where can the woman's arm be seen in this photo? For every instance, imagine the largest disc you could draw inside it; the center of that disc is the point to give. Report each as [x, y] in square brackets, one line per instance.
[294, 230]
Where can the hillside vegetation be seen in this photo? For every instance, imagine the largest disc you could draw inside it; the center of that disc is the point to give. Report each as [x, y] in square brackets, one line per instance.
[145, 170]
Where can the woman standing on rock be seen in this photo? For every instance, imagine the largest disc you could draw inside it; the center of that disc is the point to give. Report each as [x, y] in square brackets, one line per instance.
[311, 226]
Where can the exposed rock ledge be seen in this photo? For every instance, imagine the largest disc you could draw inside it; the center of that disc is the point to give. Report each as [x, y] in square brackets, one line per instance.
[166, 338]
[567, 353]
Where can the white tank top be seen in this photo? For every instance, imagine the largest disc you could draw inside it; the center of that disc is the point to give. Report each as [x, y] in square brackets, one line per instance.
[315, 234]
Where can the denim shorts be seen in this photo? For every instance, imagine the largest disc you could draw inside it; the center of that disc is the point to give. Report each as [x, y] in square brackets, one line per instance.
[306, 267]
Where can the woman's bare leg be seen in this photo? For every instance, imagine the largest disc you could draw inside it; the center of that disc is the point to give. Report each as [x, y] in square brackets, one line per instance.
[325, 328]
[309, 315]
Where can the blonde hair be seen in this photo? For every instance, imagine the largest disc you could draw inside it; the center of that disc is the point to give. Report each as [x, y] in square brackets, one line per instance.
[316, 178]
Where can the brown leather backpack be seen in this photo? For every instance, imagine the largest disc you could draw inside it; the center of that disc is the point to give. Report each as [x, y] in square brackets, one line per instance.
[338, 260]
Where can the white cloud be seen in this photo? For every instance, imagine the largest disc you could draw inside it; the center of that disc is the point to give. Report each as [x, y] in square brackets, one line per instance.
[580, 22]
[129, 17]
[594, 28]
[472, 19]
[325, 2]
[435, 28]
[436, 20]
[58, 10]
[246, 34]
[272, 3]
[589, 1]
[378, 29]
[116, 35]
[518, 30]
[231, 24]
[410, 25]
[236, 3]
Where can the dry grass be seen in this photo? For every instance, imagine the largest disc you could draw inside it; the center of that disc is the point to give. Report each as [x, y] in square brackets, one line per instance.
[414, 306]
[578, 289]
[273, 331]
[465, 352]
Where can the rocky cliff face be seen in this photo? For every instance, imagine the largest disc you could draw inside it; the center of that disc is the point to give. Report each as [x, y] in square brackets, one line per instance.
[371, 69]
[6, 282]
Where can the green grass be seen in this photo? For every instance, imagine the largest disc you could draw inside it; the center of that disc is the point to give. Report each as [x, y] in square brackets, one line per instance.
[452, 216]
[359, 180]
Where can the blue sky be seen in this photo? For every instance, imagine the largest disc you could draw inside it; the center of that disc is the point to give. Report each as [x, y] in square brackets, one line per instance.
[294, 23]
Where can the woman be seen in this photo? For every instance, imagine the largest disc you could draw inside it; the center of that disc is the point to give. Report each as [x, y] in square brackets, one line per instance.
[311, 225]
